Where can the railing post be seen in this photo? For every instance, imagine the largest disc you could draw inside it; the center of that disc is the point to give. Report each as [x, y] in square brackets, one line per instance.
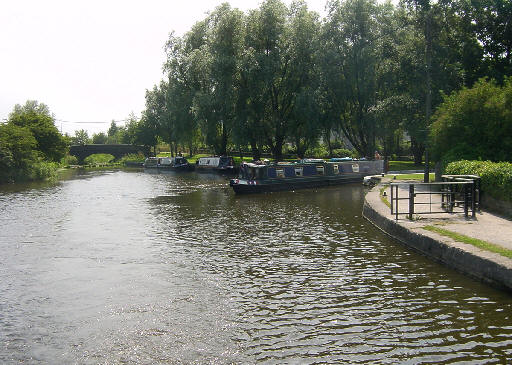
[411, 200]
[473, 198]
[396, 198]
[466, 202]
[450, 198]
[391, 199]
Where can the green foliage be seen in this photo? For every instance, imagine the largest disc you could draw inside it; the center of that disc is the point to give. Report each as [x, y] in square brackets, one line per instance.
[475, 123]
[132, 157]
[98, 159]
[279, 75]
[17, 152]
[36, 117]
[81, 137]
[69, 160]
[43, 170]
[496, 178]
[344, 152]
[318, 152]
[115, 134]
[99, 138]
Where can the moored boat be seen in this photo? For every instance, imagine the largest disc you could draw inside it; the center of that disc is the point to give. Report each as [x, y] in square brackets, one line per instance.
[221, 164]
[178, 163]
[257, 178]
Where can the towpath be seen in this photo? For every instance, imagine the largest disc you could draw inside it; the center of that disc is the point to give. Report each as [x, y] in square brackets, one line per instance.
[485, 226]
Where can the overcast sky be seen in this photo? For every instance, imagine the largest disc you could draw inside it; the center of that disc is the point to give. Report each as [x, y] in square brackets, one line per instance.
[91, 61]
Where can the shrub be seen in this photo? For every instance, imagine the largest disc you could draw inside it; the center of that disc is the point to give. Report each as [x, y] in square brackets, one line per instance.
[133, 157]
[98, 158]
[318, 152]
[496, 177]
[43, 170]
[69, 160]
[344, 152]
[474, 124]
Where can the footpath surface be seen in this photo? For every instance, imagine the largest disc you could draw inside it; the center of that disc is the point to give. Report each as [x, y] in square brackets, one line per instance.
[481, 264]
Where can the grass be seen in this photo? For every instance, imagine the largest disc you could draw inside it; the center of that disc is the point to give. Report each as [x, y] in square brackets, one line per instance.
[404, 165]
[432, 176]
[484, 245]
[383, 198]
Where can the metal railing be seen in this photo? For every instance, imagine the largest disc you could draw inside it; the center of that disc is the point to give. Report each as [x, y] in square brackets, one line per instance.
[457, 194]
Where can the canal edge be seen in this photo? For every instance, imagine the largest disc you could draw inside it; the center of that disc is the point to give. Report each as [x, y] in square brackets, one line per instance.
[478, 264]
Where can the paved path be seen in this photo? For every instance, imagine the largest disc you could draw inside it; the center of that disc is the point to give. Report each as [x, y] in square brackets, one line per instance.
[485, 226]
[484, 265]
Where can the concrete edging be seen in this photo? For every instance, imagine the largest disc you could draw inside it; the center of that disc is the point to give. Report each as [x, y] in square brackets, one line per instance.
[471, 261]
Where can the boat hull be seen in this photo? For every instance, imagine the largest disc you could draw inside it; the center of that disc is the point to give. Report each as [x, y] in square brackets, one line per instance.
[216, 170]
[182, 168]
[274, 185]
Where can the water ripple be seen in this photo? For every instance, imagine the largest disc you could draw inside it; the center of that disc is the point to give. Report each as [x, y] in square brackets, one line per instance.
[168, 268]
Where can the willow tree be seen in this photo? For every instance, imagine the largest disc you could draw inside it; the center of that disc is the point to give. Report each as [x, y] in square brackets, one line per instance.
[350, 36]
[278, 66]
[214, 48]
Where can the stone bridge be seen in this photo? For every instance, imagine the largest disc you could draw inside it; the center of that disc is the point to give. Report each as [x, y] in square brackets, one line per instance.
[116, 150]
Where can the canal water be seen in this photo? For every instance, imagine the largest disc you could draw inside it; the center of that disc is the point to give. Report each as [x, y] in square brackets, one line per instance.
[139, 268]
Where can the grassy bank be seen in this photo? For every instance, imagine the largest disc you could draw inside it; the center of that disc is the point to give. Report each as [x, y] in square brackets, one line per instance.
[484, 245]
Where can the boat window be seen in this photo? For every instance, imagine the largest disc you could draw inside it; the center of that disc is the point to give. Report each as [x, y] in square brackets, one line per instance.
[298, 171]
[336, 169]
[279, 172]
[320, 170]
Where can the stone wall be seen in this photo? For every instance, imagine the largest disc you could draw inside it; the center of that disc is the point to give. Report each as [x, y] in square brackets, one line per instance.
[474, 264]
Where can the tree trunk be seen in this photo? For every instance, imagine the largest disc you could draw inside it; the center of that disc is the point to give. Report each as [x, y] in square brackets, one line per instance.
[277, 151]
[224, 142]
[417, 150]
[256, 154]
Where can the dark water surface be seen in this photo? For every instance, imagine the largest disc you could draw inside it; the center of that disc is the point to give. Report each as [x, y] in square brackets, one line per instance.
[135, 268]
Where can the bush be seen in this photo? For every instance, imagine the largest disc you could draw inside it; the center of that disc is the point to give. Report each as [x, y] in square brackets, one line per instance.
[474, 124]
[43, 170]
[98, 158]
[344, 152]
[318, 152]
[132, 157]
[496, 176]
[69, 160]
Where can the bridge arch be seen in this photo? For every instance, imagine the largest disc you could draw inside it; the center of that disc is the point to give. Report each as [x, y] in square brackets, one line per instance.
[116, 150]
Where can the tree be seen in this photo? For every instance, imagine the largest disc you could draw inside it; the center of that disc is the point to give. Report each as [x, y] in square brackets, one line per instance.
[81, 137]
[99, 138]
[475, 123]
[37, 118]
[17, 151]
[278, 65]
[115, 133]
[350, 64]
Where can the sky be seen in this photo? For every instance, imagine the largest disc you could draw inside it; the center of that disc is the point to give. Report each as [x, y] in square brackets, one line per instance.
[92, 61]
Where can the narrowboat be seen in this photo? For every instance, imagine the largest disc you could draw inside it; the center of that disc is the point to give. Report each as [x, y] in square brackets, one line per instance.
[257, 178]
[178, 163]
[221, 164]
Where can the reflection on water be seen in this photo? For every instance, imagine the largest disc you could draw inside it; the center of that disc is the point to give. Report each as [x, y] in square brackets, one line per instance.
[174, 268]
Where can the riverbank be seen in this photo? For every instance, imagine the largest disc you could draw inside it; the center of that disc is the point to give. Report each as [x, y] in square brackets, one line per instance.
[490, 262]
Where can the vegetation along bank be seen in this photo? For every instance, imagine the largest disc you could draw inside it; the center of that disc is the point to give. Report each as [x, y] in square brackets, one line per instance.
[427, 80]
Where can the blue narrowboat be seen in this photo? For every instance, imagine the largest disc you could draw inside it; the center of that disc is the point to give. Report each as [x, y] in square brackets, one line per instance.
[177, 163]
[258, 178]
